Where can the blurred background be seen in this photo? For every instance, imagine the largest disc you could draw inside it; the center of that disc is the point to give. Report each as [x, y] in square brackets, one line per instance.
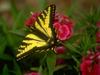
[13, 14]
[10, 9]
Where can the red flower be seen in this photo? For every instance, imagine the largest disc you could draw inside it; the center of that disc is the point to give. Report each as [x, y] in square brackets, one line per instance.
[60, 50]
[86, 64]
[95, 70]
[63, 26]
[32, 73]
[59, 61]
[91, 64]
[30, 21]
[97, 48]
[97, 57]
[98, 24]
[98, 37]
[96, 67]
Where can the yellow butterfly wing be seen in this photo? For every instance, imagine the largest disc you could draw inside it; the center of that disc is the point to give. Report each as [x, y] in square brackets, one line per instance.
[33, 42]
[44, 22]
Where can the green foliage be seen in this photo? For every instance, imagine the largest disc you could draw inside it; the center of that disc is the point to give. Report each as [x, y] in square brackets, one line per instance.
[5, 70]
[51, 62]
[17, 70]
[42, 4]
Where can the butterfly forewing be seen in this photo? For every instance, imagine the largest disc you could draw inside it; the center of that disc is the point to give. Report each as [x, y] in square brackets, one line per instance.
[45, 21]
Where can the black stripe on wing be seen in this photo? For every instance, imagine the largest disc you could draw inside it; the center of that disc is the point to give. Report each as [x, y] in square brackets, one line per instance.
[34, 50]
[52, 21]
[38, 33]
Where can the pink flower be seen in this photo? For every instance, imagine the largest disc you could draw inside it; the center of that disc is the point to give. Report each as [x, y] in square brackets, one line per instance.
[63, 26]
[97, 48]
[95, 70]
[97, 57]
[59, 61]
[91, 64]
[96, 67]
[32, 73]
[60, 49]
[63, 31]
[86, 67]
[30, 21]
[98, 37]
[98, 24]
[86, 64]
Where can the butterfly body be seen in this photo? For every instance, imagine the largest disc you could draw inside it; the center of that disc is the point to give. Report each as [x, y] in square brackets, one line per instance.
[42, 37]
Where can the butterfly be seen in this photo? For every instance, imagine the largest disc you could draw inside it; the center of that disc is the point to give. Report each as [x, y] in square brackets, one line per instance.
[42, 36]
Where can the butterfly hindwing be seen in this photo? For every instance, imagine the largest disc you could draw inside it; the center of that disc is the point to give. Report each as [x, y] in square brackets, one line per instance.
[33, 42]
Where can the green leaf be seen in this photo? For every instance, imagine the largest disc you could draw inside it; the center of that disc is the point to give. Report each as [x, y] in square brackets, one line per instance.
[43, 71]
[2, 44]
[5, 70]
[72, 49]
[20, 20]
[17, 33]
[14, 10]
[86, 42]
[35, 68]
[5, 57]
[51, 62]
[60, 67]
[73, 39]
[5, 31]
[17, 70]
[75, 59]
